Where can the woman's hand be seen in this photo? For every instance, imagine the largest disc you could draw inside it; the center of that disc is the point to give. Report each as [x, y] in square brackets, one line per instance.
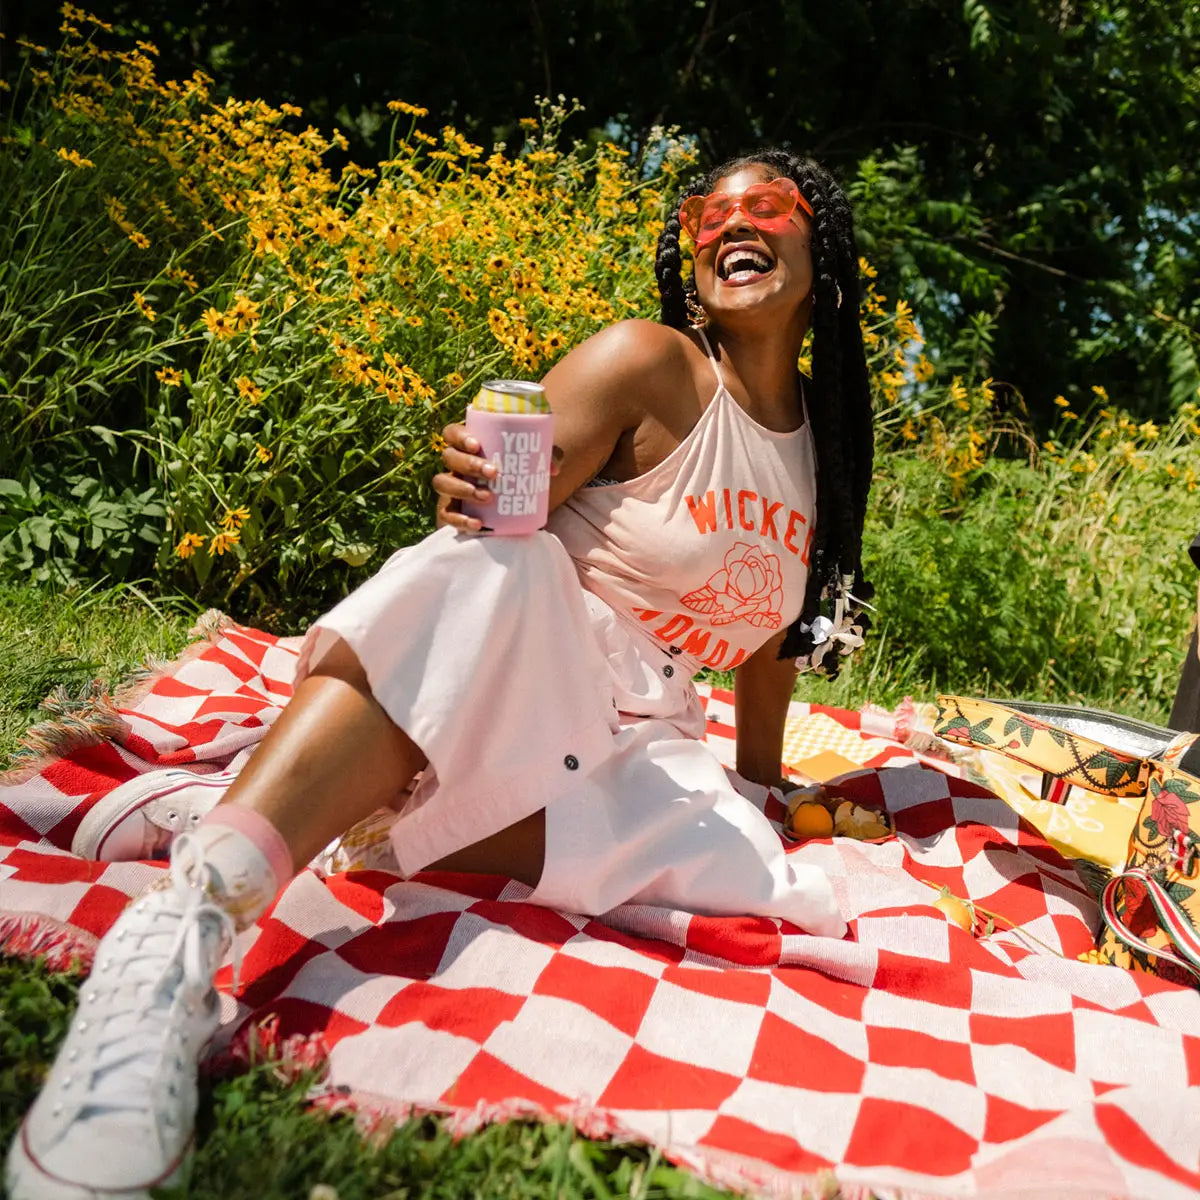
[457, 482]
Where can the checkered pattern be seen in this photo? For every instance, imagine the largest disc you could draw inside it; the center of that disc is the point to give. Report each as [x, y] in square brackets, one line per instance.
[911, 1058]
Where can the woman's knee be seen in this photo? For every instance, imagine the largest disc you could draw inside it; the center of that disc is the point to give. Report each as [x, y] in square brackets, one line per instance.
[340, 662]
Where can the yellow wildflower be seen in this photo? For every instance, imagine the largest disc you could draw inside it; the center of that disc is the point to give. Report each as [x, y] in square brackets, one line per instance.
[219, 324]
[188, 544]
[223, 541]
[264, 455]
[268, 237]
[147, 311]
[235, 518]
[1062, 401]
[169, 377]
[245, 311]
[906, 329]
[438, 443]
[412, 110]
[139, 239]
[391, 235]
[329, 224]
[185, 277]
[1148, 430]
[74, 157]
[249, 389]
[415, 320]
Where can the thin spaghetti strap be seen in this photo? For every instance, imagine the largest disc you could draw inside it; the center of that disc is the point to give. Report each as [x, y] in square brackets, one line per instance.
[712, 358]
[804, 403]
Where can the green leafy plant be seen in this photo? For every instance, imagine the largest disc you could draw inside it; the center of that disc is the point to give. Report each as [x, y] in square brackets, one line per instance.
[68, 528]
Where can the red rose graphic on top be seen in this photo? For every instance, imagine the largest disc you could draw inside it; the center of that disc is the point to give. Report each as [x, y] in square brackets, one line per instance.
[749, 587]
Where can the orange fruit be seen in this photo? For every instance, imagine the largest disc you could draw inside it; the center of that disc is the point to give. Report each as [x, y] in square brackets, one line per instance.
[956, 910]
[810, 820]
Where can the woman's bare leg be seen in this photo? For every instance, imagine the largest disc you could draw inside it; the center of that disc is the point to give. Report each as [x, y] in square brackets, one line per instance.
[518, 852]
[334, 757]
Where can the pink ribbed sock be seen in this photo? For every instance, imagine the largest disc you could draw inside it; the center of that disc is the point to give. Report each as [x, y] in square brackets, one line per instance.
[248, 859]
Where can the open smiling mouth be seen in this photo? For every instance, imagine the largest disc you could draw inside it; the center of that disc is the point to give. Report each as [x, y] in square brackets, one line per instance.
[744, 266]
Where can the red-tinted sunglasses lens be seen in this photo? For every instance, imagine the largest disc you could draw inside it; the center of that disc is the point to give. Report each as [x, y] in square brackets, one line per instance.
[768, 206]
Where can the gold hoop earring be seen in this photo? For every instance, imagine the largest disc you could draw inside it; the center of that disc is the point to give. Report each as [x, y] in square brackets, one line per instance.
[697, 317]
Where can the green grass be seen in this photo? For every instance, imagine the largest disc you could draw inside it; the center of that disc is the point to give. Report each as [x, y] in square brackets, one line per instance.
[50, 639]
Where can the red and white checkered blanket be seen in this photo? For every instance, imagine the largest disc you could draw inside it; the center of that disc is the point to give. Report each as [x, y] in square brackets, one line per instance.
[911, 1059]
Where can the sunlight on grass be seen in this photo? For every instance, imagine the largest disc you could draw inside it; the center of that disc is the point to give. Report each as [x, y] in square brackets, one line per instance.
[52, 639]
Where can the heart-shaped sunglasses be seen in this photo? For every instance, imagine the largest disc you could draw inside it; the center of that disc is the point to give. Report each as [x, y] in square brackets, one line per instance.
[767, 206]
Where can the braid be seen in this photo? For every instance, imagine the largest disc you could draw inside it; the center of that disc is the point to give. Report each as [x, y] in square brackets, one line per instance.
[668, 265]
[838, 398]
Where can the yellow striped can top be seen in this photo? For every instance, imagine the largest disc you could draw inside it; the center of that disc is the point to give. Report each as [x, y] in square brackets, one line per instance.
[517, 396]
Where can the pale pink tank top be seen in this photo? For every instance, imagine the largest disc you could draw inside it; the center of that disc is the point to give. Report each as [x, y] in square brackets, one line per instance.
[707, 552]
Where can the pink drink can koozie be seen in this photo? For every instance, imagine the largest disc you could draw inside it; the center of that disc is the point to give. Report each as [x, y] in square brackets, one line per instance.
[515, 429]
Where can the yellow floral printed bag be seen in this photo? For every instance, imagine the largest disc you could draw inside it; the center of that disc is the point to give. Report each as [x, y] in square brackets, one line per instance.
[1151, 907]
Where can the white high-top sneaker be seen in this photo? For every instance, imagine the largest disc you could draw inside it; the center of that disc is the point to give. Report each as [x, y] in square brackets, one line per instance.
[117, 1111]
[141, 817]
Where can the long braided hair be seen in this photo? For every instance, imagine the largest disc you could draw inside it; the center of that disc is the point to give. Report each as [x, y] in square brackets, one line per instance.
[838, 398]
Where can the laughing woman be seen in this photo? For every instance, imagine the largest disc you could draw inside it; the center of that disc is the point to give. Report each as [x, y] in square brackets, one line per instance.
[710, 500]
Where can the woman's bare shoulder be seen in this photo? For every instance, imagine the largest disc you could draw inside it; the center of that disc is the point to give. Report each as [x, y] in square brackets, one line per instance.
[630, 358]
[638, 346]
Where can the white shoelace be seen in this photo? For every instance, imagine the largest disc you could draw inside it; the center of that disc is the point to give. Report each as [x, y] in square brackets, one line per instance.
[137, 1009]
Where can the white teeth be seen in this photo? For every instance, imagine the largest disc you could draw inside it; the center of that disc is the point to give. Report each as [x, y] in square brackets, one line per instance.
[744, 264]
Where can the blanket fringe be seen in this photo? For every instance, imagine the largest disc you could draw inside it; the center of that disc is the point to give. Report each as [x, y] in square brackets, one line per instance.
[260, 1042]
[84, 718]
[209, 628]
[91, 715]
[376, 1118]
[30, 935]
[211, 625]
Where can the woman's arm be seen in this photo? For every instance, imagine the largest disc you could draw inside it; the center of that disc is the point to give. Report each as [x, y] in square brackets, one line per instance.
[762, 690]
[599, 393]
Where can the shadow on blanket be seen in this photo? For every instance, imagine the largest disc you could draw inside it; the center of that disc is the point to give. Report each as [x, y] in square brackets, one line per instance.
[912, 1058]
